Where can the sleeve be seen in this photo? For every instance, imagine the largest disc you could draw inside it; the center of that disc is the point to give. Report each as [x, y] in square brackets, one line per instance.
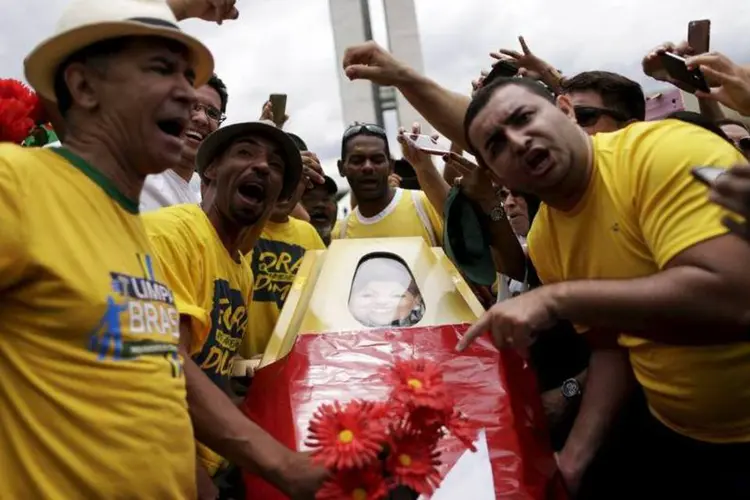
[182, 264]
[672, 208]
[315, 241]
[13, 227]
[435, 218]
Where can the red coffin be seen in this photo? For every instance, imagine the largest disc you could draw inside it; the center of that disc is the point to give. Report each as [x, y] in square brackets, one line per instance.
[494, 389]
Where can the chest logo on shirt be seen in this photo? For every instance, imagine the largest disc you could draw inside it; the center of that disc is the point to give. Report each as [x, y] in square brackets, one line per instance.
[275, 265]
[140, 320]
[228, 325]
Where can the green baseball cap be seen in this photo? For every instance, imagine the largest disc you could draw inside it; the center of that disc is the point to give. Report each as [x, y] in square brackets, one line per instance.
[466, 238]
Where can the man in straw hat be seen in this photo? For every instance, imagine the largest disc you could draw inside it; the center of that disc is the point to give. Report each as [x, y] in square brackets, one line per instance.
[246, 169]
[92, 385]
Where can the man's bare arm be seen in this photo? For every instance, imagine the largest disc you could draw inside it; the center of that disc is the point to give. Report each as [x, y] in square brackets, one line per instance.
[700, 297]
[218, 424]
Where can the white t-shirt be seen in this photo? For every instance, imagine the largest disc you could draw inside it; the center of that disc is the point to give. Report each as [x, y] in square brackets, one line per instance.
[167, 189]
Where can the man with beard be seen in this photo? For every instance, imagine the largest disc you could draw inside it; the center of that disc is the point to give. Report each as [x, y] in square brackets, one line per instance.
[181, 183]
[90, 391]
[320, 203]
[653, 268]
[246, 168]
[276, 258]
[382, 211]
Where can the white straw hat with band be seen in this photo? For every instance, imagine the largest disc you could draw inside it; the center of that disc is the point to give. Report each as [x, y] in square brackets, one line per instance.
[86, 22]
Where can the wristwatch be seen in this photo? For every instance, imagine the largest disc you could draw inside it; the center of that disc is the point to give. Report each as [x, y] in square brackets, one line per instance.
[570, 388]
[498, 213]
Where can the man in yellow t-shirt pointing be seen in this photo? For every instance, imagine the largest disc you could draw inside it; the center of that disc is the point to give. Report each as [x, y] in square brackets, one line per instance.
[629, 246]
[246, 169]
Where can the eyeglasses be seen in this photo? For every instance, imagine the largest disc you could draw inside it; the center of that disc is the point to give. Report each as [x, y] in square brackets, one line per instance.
[211, 112]
[587, 116]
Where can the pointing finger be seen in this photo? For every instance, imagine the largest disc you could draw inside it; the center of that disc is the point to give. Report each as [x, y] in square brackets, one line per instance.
[524, 47]
[474, 331]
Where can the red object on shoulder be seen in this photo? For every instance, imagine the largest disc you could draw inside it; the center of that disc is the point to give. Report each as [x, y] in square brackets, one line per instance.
[496, 389]
[20, 111]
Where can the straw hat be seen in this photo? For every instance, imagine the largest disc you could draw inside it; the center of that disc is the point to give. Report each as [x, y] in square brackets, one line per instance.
[86, 22]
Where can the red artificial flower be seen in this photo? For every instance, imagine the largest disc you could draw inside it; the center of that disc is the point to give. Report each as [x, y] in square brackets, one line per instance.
[413, 460]
[19, 106]
[418, 383]
[347, 437]
[355, 484]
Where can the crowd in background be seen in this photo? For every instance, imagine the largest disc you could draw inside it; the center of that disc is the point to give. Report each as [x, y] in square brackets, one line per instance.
[147, 250]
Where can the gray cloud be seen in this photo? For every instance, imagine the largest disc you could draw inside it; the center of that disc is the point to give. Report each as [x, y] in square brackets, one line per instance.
[287, 45]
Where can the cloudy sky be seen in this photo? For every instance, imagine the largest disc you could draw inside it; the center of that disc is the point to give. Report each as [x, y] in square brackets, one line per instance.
[287, 45]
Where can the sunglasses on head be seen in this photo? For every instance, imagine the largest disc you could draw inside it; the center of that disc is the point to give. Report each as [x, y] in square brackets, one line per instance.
[587, 116]
[357, 128]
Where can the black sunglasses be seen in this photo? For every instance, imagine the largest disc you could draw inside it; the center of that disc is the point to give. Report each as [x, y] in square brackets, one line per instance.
[587, 116]
[358, 128]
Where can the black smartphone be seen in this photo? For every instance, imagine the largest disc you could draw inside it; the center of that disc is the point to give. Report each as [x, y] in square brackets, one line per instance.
[502, 68]
[699, 35]
[707, 175]
[677, 69]
[278, 107]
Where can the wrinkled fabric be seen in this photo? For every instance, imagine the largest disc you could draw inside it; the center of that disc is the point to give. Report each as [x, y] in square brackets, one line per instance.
[496, 390]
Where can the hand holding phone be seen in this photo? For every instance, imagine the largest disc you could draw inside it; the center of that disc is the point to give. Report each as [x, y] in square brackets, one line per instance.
[278, 108]
[707, 175]
[677, 69]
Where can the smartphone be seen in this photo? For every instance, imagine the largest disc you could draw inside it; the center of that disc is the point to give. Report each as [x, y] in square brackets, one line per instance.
[707, 175]
[278, 107]
[699, 35]
[677, 69]
[502, 68]
[427, 144]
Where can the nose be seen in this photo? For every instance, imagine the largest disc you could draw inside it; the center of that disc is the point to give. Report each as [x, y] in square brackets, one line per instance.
[184, 93]
[518, 140]
[199, 115]
[261, 168]
[368, 167]
[510, 202]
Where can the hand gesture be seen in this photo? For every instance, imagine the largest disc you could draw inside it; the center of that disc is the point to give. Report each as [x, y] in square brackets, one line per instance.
[473, 180]
[216, 11]
[653, 67]
[479, 82]
[394, 180]
[370, 61]
[312, 171]
[730, 83]
[266, 114]
[514, 322]
[415, 156]
[529, 65]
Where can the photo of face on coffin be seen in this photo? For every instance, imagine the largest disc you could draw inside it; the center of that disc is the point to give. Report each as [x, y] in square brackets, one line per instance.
[384, 293]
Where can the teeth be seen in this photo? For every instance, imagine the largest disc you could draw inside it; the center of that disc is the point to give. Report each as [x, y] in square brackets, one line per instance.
[194, 135]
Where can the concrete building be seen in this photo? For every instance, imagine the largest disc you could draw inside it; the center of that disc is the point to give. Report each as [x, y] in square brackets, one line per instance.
[362, 101]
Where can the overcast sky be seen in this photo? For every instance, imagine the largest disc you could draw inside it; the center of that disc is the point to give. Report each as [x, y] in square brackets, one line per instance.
[287, 45]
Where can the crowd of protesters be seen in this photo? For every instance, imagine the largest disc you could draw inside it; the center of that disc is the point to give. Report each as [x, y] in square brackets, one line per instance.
[147, 250]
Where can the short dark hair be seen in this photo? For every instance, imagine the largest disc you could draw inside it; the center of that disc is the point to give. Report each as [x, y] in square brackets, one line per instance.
[484, 95]
[617, 92]
[215, 83]
[701, 121]
[367, 129]
[732, 121]
[99, 52]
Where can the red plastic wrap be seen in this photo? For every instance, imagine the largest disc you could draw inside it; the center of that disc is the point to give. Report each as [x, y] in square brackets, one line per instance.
[497, 390]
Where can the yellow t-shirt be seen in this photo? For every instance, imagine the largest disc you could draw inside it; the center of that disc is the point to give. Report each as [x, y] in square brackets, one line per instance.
[401, 218]
[275, 261]
[92, 394]
[210, 287]
[642, 208]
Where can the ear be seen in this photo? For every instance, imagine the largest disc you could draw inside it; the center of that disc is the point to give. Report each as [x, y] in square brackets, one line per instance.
[340, 165]
[82, 83]
[566, 106]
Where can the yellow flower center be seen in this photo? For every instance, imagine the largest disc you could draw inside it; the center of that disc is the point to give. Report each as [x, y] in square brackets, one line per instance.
[346, 436]
[359, 494]
[414, 383]
[404, 460]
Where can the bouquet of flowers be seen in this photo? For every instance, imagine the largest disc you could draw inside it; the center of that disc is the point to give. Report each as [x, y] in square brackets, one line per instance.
[376, 449]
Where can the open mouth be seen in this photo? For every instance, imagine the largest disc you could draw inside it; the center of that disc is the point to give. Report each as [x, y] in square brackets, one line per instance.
[253, 192]
[537, 159]
[194, 135]
[174, 127]
[318, 216]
